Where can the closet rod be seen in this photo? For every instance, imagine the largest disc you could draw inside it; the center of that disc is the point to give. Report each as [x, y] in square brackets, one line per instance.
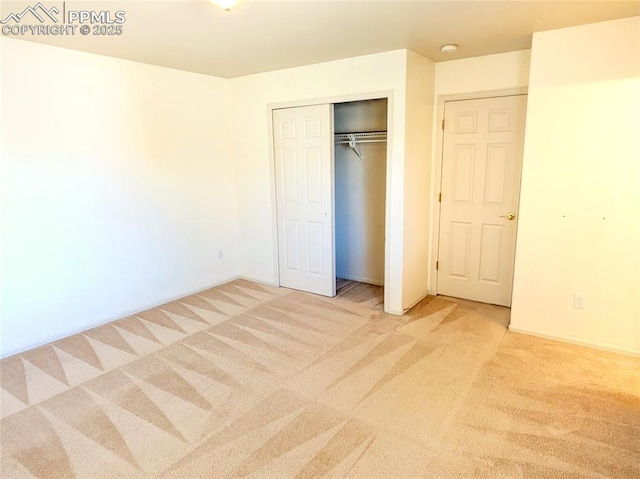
[359, 141]
[352, 139]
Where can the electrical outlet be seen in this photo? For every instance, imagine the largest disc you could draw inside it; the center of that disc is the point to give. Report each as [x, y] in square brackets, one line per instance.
[578, 301]
[220, 254]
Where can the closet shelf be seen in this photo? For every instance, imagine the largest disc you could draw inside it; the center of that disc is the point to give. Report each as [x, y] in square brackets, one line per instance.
[352, 139]
[365, 137]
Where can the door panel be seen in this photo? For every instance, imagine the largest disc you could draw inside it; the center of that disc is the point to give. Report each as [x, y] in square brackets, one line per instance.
[490, 242]
[481, 168]
[303, 148]
[314, 176]
[464, 163]
[460, 240]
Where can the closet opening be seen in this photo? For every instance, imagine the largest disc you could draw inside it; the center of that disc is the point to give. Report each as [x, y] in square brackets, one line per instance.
[360, 167]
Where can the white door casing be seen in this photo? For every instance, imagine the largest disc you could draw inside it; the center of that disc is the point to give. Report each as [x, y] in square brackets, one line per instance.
[303, 151]
[481, 171]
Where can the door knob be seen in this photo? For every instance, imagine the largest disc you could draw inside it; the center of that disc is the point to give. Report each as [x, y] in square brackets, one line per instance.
[509, 216]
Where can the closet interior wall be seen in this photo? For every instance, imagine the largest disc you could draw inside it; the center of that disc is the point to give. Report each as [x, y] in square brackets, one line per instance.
[360, 193]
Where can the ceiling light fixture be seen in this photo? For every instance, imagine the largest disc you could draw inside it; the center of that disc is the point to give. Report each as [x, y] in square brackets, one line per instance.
[449, 48]
[225, 4]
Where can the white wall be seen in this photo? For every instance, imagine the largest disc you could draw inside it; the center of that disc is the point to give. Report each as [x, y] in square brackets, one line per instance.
[360, 187]
[118, 189]
[417, 177]
[251, 95]
[485, 73]
[579, 229]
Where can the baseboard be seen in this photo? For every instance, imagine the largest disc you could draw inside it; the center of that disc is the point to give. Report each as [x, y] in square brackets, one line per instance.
[73, 331]
[578, 341]
[416, 302]
[247, 278]
[360, 280]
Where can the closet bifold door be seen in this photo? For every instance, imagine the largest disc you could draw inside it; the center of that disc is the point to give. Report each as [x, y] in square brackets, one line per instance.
[303, 153]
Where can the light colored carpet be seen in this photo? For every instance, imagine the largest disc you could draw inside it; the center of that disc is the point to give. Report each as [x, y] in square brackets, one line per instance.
[249, 380]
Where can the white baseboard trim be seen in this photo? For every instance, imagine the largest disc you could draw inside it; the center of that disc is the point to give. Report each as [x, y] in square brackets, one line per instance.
[416, 302]
[578, 341]
[247, 278]
[360, 280]
[73, 331]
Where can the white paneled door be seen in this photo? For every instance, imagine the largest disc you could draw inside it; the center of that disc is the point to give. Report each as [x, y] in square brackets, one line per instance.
[303, 148]
[481, 169]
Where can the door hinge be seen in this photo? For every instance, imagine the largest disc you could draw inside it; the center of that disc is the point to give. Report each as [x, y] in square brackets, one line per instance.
[439, 197]
[437, 265]
[443, 123]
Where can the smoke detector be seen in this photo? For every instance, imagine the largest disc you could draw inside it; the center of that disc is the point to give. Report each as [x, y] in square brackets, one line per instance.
[449, 48]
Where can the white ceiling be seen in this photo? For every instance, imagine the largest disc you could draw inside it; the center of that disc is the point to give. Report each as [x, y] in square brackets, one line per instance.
[259, 35]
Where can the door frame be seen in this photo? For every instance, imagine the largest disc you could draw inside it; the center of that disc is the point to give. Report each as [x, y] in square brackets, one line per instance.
[376, 95]
[437, 170]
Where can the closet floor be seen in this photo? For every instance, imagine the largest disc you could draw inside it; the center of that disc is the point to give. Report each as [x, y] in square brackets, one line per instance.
[369, 294]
